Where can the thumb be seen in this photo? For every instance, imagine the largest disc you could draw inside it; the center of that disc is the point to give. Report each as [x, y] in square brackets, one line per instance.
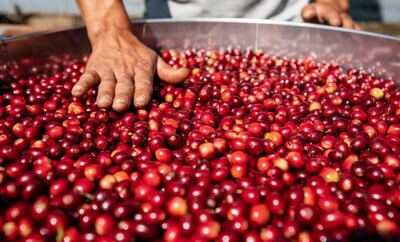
[309, 12]
[169, 74]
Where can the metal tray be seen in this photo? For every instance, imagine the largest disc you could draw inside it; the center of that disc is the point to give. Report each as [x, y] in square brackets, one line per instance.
[379, 54]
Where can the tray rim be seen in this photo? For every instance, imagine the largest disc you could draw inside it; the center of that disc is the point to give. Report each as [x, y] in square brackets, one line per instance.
[218, 21]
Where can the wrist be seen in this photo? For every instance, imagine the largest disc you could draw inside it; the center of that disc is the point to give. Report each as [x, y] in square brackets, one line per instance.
[104, 17]
[107, 31]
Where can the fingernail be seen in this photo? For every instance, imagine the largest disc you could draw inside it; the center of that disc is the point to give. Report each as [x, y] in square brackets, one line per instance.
[140, 100]
[105, 99]
[121, 101]
[77, 88]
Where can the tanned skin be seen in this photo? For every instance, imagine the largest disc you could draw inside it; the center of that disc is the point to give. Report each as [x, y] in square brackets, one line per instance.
[123, 68]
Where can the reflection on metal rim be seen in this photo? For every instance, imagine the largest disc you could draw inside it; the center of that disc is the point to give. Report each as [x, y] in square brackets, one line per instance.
[267, 21]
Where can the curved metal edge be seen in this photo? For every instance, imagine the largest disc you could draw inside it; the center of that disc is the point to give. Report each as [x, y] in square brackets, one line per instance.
[270, 22]
[40, 33]
[223, 20]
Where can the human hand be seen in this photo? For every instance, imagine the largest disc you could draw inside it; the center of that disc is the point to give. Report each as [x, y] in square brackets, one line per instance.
[124, 69]
[333, 13]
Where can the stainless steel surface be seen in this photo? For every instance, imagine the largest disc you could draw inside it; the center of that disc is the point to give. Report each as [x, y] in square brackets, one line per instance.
[375, 53]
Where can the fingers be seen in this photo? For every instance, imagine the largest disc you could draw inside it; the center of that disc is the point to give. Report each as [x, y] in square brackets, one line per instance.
[144, 81]
[106, 91]
[333, 18]
[123, 93]
[328, 14]
[357, 26]
[88, 80]
[118, 88]
[347, 22]
[143, 87]
[309, 12]
[170, 74]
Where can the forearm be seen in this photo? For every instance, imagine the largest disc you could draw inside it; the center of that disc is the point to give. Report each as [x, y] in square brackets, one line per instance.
[103, 16]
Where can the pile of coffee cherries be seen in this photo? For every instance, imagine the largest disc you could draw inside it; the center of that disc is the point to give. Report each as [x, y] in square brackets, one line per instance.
[250, 147]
